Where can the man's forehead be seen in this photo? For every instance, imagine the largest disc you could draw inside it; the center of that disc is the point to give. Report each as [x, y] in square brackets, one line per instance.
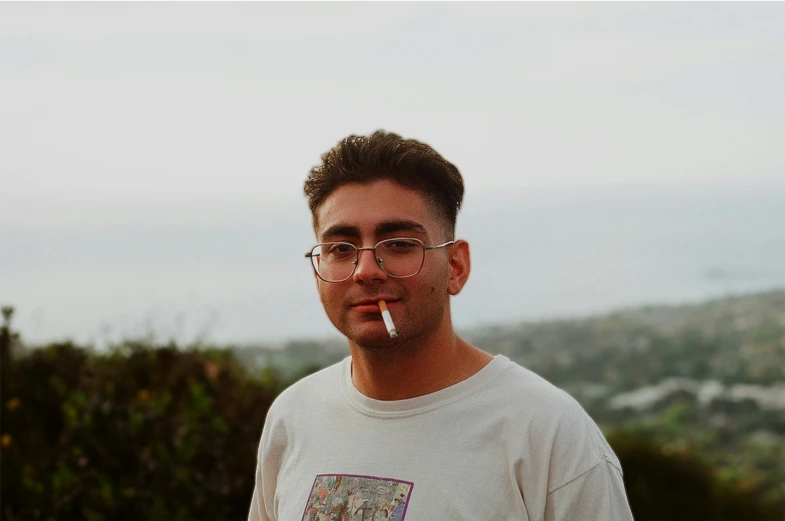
[373, 210]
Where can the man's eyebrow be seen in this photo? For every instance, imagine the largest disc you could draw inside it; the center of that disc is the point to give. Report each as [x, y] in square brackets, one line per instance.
[383, 228]
[342, 230]
[400, 226]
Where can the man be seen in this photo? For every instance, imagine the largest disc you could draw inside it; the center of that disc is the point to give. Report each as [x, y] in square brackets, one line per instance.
[417, 424]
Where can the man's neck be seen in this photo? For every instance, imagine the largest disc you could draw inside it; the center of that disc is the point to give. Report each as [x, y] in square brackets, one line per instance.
[400, 373]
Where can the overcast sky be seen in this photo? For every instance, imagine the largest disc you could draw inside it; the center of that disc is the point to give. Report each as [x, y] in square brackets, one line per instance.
[116, 114]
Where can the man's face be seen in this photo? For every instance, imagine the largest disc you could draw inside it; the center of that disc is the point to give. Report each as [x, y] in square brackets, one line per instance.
[364, 214]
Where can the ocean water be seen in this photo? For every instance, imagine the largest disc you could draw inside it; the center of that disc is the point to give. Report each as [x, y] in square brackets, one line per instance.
[235, 272]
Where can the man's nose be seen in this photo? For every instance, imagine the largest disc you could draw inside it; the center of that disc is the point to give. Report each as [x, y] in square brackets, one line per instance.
[367, 269]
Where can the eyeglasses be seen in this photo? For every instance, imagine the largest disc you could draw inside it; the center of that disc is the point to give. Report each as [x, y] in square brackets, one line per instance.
[399, 258]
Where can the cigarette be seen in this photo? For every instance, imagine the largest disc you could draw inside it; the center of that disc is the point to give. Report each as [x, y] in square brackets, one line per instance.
[387, 319]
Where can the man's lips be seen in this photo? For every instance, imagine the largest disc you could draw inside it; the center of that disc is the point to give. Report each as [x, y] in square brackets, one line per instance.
[370, 305]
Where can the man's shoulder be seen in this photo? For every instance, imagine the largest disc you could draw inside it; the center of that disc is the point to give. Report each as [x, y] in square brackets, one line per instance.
[554, 417]
[536, 401]
[320, 384]
[525, 386]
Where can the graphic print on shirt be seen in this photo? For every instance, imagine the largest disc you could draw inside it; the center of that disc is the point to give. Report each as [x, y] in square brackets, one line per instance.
[348, 497]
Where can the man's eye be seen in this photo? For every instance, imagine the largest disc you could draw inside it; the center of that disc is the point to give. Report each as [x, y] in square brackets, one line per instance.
[402, 245]
[337, 249]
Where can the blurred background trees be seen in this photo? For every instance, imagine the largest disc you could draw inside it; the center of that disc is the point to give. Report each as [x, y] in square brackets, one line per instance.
[143, 432]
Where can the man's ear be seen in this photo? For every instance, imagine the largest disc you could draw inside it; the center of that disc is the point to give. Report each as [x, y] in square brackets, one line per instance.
[460, 266]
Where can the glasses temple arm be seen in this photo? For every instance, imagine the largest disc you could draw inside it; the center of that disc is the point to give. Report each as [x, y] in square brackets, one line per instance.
[438, 245]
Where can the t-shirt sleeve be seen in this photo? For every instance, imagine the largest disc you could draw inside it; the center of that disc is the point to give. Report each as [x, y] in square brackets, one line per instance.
[271, 448]
[258, 511]
[598, 493]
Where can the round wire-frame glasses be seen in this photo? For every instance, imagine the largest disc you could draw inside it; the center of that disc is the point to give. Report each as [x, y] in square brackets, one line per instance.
[401, 255]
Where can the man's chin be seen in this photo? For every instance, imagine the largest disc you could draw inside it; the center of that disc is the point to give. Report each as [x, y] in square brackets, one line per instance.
[372, 338]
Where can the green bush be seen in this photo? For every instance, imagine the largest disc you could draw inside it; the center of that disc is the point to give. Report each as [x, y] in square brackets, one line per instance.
[144, 432]
[672, 483]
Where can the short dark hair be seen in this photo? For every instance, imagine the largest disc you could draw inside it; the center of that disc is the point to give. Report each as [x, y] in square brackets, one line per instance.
[385, 155]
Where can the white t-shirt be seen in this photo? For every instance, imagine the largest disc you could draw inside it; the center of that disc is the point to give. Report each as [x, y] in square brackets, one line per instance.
[504, 444]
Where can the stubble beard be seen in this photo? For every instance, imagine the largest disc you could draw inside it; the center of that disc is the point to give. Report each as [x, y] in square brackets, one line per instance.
[412, 336]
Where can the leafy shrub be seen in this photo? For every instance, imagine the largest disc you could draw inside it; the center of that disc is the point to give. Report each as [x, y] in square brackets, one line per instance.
[675, 484]
[144, 432]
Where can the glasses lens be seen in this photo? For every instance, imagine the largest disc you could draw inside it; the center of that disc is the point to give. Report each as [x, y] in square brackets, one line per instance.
[334, 261]
[401, 257]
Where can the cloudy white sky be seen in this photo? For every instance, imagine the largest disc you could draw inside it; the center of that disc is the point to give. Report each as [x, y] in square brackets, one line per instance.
[120, 115]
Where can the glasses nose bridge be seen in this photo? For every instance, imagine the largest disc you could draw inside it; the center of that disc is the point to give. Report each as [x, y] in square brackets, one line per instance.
[376, 259]
[369, 248]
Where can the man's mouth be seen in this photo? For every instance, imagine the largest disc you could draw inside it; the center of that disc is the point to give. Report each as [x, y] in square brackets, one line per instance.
[370, 305]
